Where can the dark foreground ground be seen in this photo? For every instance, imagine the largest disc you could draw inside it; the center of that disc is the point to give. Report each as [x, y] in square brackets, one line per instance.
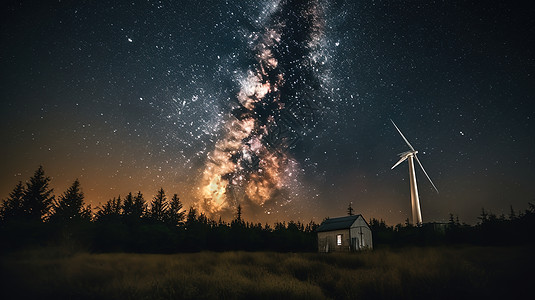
[408, 273]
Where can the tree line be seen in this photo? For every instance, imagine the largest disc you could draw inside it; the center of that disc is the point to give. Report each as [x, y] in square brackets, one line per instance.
[515, 229]
[33, 216]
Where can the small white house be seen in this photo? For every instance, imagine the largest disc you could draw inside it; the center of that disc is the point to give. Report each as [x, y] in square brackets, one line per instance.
[344, 234]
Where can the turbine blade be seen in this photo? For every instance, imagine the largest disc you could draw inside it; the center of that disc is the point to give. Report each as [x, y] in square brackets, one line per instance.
[406, 141]
[399, 161]
[421, 166]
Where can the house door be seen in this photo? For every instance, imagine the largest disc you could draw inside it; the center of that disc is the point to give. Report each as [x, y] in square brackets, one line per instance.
[355, 243]
[329, 244]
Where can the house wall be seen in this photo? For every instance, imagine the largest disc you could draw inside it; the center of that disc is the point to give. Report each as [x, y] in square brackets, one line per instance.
[327, 241]
[361, 232]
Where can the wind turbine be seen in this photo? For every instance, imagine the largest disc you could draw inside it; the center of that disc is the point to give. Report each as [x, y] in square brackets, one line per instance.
[415, 201]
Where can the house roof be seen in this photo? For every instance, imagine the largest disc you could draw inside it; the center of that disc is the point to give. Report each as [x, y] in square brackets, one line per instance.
[337, 223]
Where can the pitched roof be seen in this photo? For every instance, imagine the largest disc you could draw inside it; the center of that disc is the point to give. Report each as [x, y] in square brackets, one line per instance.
[337, 223]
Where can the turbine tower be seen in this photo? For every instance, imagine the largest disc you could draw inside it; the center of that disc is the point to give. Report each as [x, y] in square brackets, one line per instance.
[415, 200]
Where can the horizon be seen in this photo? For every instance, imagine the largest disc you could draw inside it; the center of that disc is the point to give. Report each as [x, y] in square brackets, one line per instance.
[316, 219]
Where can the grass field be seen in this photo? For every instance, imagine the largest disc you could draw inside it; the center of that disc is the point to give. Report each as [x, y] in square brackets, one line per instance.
[408, 273]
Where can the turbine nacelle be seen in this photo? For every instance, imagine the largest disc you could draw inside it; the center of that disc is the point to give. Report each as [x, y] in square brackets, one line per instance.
[403, 156]
[407, 153]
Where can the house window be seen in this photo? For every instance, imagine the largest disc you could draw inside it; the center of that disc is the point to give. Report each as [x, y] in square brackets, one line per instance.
[339, 239]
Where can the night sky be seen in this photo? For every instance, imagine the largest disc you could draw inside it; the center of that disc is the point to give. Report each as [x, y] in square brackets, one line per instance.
[281, 106]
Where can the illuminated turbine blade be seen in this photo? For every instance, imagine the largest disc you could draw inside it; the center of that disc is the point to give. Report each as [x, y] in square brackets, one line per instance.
[421, 166]
[402, 159]
[406, 141]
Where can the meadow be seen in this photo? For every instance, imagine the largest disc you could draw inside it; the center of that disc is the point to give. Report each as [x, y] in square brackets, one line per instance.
[406, 273]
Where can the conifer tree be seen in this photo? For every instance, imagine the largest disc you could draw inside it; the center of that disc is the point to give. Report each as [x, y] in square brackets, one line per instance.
[512, 214]
[133, 208]
[451, 221]
[70, 206]
[175, 215]
[202, 219]
[158, 206]
[12, 208]
[38, 196]
[238, 221]
[192, 216]
[128, 205]
[110, 210]
[238, 214]
[139, 207]
[484, 217]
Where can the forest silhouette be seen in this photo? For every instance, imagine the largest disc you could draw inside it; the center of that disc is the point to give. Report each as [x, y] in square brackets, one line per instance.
[33, 216]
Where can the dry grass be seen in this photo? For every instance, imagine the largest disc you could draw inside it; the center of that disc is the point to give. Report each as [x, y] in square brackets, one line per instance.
[412, 273]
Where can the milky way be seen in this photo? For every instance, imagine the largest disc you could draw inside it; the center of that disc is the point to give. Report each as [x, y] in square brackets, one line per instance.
[277, 101]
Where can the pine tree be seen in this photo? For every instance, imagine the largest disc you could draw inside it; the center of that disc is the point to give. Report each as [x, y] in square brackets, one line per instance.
[128, 206]
[202, 219]
[238, 214]
[158, 206]
[192, 216]
[110, 210]
[451, 221]
[38, 197]
[484, 217]
[133, 208]
[12, 208]
[175, 215]
[87, 213]
[70, 206]
[512, 214]
[140, 207]
[238, 221]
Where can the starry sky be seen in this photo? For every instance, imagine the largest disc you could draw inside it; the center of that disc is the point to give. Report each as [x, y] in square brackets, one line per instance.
[282, 106]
